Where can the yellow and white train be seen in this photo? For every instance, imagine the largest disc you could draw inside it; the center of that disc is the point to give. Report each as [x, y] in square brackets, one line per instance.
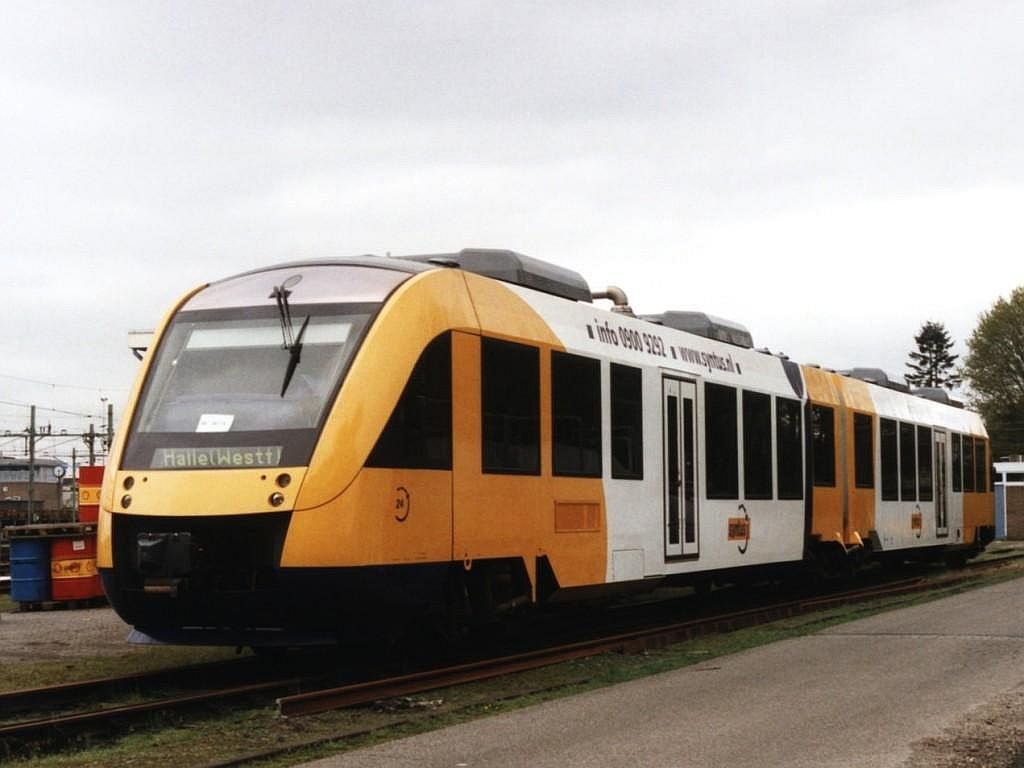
[321, 446]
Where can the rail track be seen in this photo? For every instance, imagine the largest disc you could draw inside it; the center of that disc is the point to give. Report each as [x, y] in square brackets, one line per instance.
[298, 695]
[78, 714]
[61, 724]
[629, 642]
[376, 692]
[52, 697]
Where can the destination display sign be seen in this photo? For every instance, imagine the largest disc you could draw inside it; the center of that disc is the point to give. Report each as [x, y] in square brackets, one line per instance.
[217, 457]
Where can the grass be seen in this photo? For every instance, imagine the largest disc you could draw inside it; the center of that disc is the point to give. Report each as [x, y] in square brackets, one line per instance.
[143, 659]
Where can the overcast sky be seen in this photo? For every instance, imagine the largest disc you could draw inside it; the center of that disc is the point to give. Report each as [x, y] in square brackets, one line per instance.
[830, 174]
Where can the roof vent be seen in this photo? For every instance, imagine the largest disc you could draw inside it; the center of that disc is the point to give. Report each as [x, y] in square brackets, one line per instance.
[705, 325]
[938, 395]
[875, 376]
[515, 268]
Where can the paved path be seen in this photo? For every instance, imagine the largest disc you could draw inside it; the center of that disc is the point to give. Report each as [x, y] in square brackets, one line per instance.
[857, 695]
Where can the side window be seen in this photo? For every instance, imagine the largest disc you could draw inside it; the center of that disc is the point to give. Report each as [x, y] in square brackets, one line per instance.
[908, 463]
[790, 443]
[418, 434]
[721, 448]
[980, 466]
[757, 445]
[510, 400]
[575, 415]
[823, 445]
[968, 464]
[888, 432]
[863, 451]
[924, 464]
[627, 422]
[958, 467]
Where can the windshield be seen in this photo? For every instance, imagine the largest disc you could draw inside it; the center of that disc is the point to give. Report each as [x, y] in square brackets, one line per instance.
[227, 375]
[226, 383]
[247, 371]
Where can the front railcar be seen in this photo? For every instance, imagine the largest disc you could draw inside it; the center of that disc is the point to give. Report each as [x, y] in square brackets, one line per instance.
[220, 434]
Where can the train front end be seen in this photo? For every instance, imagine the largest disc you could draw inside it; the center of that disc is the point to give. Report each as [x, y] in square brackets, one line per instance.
[216, 442]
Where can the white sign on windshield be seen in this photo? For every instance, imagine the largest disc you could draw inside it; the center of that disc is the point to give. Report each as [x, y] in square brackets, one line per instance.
[215, 422]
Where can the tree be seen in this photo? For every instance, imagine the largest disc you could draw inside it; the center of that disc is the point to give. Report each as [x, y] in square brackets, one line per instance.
[932, 365]
[994, 368]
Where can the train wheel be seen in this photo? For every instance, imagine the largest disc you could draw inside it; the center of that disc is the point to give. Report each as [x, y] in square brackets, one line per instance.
[271, 654]
[702, 586]
[956, 560]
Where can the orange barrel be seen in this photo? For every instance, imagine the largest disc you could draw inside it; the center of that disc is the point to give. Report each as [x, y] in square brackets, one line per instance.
[73, 574]
[90, 480]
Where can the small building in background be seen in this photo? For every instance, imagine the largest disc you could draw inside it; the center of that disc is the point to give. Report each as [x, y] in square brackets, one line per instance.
[1009, 483]
[46, 486]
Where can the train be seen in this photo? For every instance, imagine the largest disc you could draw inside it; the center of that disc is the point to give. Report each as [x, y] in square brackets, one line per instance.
[319, 448]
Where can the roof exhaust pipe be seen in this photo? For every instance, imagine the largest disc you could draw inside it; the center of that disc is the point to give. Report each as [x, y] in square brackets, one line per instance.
[618, 297]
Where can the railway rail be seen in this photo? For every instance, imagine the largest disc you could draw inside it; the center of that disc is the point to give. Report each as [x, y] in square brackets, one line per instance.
[224, 681]
[313, 702]
[50, 697]
[196, 686]
[62, 724]
[628, 642]
[403, 687]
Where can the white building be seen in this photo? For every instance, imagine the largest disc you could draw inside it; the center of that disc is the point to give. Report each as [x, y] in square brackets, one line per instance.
[1009, 482]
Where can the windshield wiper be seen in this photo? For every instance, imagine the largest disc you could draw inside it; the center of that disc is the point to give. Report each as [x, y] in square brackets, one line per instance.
[293, 358]
[292, 344]
[280, 294]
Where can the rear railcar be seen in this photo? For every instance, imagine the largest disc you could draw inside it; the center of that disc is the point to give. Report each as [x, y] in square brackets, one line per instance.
[935, 498]
[889, 471]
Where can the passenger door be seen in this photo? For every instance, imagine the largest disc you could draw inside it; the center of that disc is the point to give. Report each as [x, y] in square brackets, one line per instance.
[941, 493]
[680, 470]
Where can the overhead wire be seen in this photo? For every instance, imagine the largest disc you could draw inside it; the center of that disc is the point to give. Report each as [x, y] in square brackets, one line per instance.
[49, 410]
[58, 385]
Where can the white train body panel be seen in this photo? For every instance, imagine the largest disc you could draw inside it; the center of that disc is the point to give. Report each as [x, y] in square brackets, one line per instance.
[636, 509]
[892, 516]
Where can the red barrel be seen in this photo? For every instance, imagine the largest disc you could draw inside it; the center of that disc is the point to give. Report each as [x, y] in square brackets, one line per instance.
[73, 574]
[90, 480]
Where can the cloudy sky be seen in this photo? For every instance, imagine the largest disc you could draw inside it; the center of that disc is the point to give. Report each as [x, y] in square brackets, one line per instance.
[830, 174]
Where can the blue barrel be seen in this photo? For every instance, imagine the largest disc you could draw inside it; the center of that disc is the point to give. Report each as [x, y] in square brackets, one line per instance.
[30, 570]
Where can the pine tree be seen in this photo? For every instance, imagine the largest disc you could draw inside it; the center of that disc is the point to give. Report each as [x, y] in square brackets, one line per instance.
[931, 365]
